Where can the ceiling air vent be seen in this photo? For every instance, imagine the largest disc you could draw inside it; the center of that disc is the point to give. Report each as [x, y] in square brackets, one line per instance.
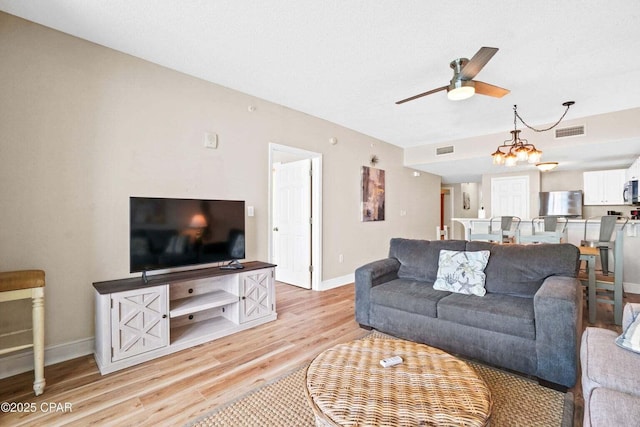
[444, 150]
[570, 131]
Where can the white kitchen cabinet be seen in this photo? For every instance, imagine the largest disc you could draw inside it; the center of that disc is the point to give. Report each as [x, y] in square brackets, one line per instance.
[137, 321]
[633, 173]
[604, 187]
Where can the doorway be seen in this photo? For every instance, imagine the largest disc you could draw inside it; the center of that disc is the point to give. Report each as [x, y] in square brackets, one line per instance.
[446, 212]
[295, 220]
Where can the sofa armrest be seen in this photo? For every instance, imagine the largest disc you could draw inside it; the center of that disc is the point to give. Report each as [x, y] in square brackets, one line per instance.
[558, 316]
[368, 276]
[630, 313]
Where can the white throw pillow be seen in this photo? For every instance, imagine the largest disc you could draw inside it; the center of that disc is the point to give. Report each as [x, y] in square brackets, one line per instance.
[630, 338]
[462, 272]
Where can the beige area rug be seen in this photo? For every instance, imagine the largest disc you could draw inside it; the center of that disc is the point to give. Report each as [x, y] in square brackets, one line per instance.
[517, 401]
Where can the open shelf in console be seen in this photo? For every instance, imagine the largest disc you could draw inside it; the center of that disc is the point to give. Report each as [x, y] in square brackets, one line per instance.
[195, 331]
[194, 304]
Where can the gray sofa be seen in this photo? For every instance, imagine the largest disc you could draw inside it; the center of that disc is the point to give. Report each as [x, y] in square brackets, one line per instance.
[528, 321]
[610, 384]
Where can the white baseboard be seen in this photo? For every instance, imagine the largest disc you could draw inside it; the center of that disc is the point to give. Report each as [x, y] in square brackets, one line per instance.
[632, 288]
[337, 282]
[18, 363]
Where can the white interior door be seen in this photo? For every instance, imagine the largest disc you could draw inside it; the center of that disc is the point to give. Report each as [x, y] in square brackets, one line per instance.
[292, 222]
[510, 196]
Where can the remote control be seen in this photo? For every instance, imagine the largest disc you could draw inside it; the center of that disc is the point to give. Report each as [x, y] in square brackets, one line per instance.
[391, 361]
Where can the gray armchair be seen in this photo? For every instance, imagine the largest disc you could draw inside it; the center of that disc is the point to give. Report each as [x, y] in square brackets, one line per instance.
[610, 383]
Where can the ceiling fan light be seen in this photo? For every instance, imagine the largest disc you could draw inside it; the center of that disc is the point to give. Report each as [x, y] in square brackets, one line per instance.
[461, 89]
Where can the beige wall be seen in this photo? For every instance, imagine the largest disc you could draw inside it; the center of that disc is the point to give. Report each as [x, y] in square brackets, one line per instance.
[84, 127]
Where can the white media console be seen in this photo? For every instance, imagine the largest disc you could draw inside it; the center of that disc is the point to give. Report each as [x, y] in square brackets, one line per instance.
[138, 321]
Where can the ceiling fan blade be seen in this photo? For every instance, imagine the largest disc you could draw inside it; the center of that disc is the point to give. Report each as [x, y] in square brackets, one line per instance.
[423, 94]
[476, 63]
[486, 89]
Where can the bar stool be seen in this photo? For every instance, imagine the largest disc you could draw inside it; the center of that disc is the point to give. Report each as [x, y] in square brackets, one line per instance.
[603, 243]
[549, 233]
[608, 288]
[17, 285]
[505, 233]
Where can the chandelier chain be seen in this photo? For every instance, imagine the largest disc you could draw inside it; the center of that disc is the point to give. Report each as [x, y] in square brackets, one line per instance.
[515, 110]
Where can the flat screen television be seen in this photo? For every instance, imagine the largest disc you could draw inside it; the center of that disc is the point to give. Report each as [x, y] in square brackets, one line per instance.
[168, 233]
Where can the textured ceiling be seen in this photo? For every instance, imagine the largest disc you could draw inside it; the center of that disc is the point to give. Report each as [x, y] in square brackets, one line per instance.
[349, 61]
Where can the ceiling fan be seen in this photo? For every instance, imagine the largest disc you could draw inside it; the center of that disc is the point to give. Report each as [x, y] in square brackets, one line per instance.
[462, 85]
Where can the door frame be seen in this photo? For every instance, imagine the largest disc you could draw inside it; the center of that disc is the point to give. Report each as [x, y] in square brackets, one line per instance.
[316, 208]
[452, 205]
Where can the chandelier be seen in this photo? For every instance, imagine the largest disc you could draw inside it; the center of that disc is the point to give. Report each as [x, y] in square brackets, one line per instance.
[517, 149]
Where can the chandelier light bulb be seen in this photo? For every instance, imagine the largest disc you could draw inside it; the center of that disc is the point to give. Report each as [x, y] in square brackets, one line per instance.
[510, 160]
[498, 157]
[522, 154]
[535, 156]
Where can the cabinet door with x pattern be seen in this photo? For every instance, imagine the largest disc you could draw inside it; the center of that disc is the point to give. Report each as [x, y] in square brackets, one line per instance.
[139, 321]
[256, 295]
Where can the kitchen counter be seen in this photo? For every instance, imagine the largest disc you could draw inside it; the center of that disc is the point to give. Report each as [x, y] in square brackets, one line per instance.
[575, 233]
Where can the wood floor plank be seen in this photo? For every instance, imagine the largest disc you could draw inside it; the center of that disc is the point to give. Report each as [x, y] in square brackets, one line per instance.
[180, 387]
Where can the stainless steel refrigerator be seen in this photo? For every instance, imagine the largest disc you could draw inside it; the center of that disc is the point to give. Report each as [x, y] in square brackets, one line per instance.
[561, 203]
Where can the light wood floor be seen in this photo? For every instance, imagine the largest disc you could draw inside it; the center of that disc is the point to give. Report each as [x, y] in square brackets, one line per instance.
[177, 388]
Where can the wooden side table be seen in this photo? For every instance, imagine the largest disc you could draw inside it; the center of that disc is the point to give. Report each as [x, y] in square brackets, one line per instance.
[16, 285]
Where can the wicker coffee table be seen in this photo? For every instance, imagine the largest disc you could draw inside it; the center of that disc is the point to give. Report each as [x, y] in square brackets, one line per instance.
[346, 386]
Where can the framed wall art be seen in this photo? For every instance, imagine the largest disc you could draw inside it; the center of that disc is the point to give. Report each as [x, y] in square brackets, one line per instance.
[372, 183]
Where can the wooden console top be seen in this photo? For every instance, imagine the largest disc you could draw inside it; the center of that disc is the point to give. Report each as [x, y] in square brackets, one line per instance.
[121, 285]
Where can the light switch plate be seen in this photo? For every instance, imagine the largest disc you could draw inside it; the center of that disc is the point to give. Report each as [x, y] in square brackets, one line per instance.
[211, 140]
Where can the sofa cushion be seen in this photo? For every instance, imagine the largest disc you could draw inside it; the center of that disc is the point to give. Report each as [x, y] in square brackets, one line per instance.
[419, 258]
[494, 312]
[612, 408]
[408, 295]
[462, 272]
[604, 364]
[519, 270]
